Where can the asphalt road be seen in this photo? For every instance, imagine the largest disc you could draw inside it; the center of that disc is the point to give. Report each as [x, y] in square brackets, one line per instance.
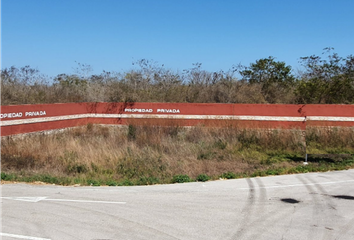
[303, 206]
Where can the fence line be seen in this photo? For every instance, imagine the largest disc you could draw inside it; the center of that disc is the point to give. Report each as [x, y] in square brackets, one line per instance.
[18, 119]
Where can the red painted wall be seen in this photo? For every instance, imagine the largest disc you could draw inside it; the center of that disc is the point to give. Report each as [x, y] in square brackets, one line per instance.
[184, 114]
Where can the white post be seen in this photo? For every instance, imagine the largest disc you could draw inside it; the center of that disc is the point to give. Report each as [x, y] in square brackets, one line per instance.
[305, 163]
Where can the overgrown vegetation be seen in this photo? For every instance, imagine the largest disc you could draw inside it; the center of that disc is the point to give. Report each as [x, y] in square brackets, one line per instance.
[329, 140]
[142, 155]
[323, 79]
[97, 155]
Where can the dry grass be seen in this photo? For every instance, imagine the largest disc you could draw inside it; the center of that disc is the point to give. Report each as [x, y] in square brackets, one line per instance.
[333, 140]
[161, 152]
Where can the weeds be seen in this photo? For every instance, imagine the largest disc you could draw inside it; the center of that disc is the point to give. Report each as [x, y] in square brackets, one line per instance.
[146, 154]
[333, 140]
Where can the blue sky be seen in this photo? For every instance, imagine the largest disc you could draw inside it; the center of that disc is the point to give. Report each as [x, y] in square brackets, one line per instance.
[52, 35]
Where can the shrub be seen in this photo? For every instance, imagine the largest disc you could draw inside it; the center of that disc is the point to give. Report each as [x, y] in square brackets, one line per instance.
[126, 182]
[49, 179]
[180, 179]
[7, 177]
[229, 175]
[3, 176]
[93, 182]
[203, 178]
[148, 181]
[111, 183]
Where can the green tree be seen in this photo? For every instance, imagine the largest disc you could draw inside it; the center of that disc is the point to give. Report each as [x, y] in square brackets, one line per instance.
[274, 77]
[326, 80]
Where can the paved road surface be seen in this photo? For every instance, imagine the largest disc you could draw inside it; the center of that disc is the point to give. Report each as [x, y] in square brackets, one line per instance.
[304, 206]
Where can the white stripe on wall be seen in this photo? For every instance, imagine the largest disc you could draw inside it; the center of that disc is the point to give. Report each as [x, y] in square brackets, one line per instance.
[149, 116]
[175, 116]
[334, 119]
[42, 119]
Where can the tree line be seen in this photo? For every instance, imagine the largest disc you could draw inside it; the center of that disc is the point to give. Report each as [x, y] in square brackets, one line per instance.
[325, 79]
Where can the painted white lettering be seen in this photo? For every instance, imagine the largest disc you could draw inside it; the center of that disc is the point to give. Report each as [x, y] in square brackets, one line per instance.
[168, 110]
[140, 110]
[11, 115]
[36, 113]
